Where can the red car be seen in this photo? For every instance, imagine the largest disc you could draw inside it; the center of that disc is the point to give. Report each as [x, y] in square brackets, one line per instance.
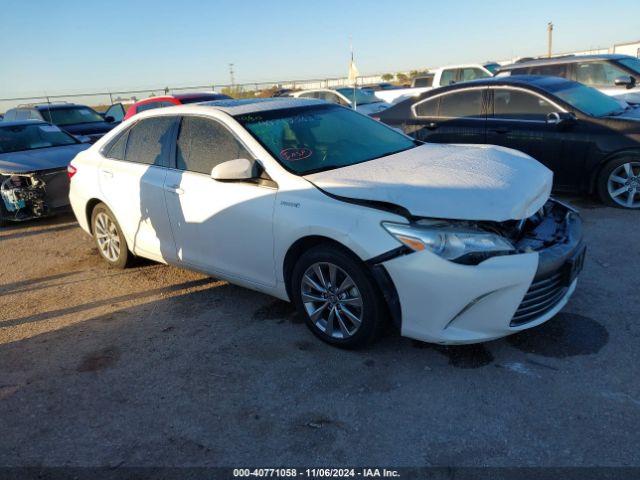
[170, 100]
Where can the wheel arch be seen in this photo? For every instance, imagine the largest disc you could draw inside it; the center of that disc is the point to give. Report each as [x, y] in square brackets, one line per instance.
[632, 152]
[88, 211]
[376, 270]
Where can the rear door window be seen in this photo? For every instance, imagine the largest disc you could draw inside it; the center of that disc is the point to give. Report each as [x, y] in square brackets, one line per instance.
[149, 141]
[117, 147]
[204, 143]
[467, 103]
[428, 108]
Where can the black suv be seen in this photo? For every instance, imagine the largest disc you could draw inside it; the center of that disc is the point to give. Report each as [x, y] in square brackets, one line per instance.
[614, 75]
[78, 120]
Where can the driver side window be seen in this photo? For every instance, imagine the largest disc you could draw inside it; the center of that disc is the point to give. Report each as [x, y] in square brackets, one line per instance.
[204, 143]
[519, 105]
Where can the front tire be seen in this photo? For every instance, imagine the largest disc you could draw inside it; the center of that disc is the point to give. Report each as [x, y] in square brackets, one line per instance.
[337, 297]
[619, 183]
[109, 237]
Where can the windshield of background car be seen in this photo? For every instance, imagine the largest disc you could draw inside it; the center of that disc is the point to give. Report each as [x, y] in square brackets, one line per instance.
[492, 67]
[71, 116]
[313, 139]
[17, 138]
[632, 63]
[362, 97]
[587, 99]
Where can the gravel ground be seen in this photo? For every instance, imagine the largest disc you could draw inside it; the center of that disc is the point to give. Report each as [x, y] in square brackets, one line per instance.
[157, 366]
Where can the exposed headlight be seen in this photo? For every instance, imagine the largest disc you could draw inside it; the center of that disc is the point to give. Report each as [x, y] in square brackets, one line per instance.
[455, 243]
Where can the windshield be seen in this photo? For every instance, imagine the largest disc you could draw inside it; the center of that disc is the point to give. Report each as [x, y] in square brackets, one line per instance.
[362, 97]
[632, 63]
[313, 139]
[18, 138]
[492, 67]
[71, 116]
[588, 100]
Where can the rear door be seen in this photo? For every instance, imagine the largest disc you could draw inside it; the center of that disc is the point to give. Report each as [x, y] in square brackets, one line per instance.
[223, 228]
[131, 179]
[453, 117]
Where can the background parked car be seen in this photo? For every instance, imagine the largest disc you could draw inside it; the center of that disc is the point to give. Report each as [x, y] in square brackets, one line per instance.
[588, 139]
[171, 100]
[76, 119]
[365, 100]
[615, 75]
[439, 77]
[33, 169]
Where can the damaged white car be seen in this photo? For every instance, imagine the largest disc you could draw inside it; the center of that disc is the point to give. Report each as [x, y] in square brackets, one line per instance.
[34, 156]
[352, 221]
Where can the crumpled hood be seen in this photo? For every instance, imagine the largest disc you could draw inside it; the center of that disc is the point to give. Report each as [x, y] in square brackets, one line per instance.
[40, 158]
[461, 182]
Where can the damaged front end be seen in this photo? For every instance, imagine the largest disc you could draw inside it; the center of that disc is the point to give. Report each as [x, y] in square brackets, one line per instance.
[26, 196]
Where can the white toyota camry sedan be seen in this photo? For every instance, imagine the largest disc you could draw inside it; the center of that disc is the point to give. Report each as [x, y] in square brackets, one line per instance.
[354, 222]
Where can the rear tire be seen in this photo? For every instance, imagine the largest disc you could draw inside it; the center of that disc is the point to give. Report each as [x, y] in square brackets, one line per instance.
[619, 183]
[109, 238]
[337, 297]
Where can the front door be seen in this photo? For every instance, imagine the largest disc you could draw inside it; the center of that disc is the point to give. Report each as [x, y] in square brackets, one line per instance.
[519, 121]
[223, 228]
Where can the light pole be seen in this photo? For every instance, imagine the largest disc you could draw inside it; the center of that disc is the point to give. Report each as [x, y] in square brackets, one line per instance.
[550, 38]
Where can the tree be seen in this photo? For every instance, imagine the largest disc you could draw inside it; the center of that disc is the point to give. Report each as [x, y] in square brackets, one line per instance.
[387, 77]
[402, 77]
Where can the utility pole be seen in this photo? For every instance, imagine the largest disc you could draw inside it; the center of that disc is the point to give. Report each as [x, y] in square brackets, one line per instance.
[550, 38]
[233, 80]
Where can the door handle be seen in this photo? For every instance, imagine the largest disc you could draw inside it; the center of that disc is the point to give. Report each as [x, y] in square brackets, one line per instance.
[500, 130]
[432, 125]
[107, 173]
[174, 189]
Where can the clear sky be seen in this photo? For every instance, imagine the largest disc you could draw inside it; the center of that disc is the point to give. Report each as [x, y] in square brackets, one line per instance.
[64, 46]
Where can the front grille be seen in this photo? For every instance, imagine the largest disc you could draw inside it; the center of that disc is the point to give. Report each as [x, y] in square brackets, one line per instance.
[541, 297]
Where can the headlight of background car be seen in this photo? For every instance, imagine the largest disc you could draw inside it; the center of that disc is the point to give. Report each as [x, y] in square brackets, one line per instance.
[455, 243]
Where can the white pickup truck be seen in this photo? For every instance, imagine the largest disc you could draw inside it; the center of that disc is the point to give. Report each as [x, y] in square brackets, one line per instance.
[440, 77]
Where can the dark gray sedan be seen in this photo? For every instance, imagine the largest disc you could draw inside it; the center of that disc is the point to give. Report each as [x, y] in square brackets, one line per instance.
[34, 157]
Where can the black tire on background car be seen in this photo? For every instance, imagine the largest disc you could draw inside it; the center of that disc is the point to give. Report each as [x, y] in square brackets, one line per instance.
[108, 236]
[619, 183]
[337, 297]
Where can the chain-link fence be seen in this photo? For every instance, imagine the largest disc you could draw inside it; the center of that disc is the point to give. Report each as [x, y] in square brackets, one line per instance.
[105, 98]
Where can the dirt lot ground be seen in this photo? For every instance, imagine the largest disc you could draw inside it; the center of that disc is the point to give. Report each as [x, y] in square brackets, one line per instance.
[163, 367]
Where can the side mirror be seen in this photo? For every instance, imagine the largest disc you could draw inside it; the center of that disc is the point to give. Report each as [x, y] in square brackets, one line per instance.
[625, 81]
[561, 119]
[234, 170]
[109, 119]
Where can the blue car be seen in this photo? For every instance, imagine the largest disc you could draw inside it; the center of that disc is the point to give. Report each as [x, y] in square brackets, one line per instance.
[34, 157]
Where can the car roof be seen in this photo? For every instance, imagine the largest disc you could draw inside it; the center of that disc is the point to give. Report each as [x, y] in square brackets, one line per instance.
[540, 81]
[252, 105]
[18, 123]
[565, 59]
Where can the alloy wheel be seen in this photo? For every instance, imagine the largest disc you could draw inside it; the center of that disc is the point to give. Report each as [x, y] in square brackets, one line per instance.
[624, 185]
[332, 300]
[107, 237]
